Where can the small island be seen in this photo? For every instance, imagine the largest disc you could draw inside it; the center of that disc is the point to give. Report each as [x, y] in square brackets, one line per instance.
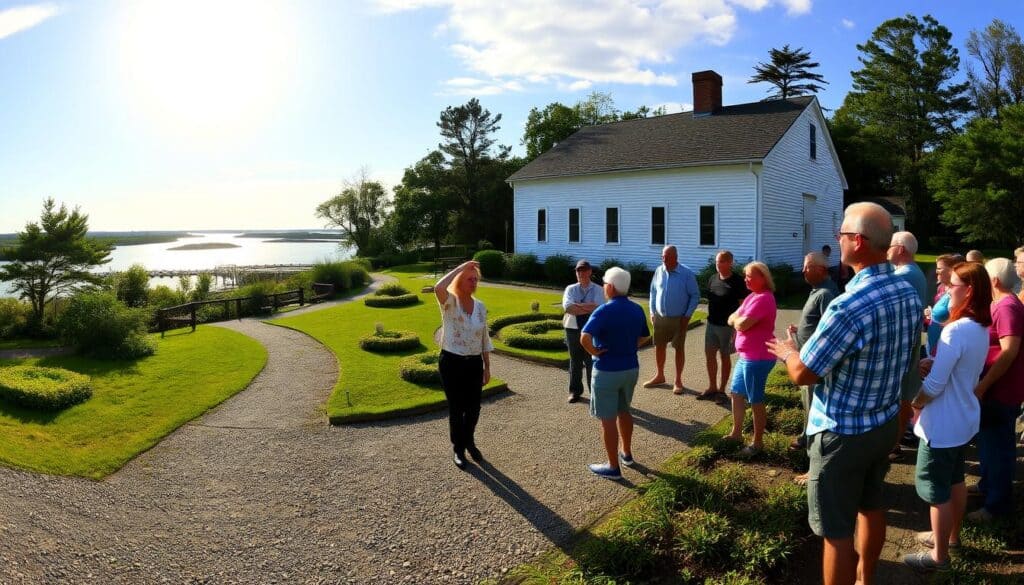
[205, 246]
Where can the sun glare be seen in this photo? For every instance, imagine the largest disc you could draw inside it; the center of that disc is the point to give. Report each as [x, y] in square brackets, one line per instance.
[205, 67]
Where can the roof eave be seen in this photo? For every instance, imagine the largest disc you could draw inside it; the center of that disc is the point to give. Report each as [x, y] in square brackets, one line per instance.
[714, 163]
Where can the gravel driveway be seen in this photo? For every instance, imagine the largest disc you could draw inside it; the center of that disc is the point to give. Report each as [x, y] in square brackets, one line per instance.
[263, 490]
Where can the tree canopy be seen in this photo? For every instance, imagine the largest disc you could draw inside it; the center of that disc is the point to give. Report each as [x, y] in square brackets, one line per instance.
[1000, 53]
[358, 210]
[789, 71]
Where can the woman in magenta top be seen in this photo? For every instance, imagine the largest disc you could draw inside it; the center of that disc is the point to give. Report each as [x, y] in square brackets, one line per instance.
[754, 322]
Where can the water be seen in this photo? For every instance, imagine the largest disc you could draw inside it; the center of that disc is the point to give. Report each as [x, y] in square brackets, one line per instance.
[251, 251]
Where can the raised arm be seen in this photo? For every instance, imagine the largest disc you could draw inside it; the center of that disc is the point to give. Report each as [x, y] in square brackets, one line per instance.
[441, 286]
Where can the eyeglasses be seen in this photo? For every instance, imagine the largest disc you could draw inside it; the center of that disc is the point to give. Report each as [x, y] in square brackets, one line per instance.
[957, 285]
[839, 235]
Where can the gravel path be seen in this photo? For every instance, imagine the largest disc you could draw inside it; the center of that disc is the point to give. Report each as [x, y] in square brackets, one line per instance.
[262, 490]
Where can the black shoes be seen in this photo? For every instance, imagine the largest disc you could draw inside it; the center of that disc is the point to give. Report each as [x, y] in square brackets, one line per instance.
[572, 399]
[459, 459]
[475, 454]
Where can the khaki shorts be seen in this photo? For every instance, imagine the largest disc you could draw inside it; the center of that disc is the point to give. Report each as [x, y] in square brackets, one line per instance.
[669, 329]
[719, 337]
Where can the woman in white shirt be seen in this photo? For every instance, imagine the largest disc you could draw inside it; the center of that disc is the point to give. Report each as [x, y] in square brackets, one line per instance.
[950, 413]
[464, 363]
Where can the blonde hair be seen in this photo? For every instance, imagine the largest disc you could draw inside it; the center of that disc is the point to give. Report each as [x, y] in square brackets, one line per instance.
[453, 288]
[763, 269]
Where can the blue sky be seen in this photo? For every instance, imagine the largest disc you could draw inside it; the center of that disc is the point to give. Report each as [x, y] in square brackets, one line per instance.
[231, 114]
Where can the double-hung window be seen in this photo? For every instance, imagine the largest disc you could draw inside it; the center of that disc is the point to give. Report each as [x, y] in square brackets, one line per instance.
[611, 225]
[542, 225]
[707, 227]
[658, 226]
[574, 224]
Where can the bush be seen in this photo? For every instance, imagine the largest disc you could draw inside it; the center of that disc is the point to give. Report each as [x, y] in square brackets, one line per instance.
[132, 286]
[391, 289]
[204, 284]
[100, 325]
[496, 324]
[492, 263]
[403, 300]
[484, 245]
[258, 295]
[420, 369]
[163, 296]
[701, 537]
[43, 388]
[390, 341]
[343, 275]
[558, 269]
[545, 334]
[783, 275]
[522, 267]
[14, 317]
[639, 276]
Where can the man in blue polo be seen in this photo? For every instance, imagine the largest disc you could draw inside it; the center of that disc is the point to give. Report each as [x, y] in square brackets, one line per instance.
[863, 346]
[612, 335]
[674, 297]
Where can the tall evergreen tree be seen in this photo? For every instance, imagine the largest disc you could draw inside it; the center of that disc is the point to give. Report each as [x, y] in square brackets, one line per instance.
[789, 71]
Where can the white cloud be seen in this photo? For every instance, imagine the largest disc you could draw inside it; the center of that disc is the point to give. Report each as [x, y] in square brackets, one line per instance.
[674, 107]
[847, 23]
[472, 86]
[19, 18]
[577, 43]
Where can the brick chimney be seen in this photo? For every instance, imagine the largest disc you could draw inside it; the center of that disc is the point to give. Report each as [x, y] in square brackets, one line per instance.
[707, 93]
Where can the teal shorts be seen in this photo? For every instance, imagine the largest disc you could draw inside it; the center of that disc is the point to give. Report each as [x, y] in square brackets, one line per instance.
[938, 470]
[612, 392]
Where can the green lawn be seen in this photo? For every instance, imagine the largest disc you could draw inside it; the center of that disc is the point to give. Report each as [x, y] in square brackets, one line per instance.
[134, 403]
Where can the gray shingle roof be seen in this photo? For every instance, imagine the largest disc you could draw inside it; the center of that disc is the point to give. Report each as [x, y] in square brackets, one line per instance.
[736, 133]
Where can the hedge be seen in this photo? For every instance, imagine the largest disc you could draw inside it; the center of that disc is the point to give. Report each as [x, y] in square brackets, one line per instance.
[391, 289]
[386, 301]
[496, 324]
[44, 388]
[535, 335]
[420, 369]
[492, 263]
[390, 341]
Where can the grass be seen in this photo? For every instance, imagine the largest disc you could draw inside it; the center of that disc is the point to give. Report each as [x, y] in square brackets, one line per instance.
[27, 343]
[134, 403]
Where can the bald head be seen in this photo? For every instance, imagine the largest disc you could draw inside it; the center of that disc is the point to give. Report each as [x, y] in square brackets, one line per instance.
[669, 257]
[872, 221]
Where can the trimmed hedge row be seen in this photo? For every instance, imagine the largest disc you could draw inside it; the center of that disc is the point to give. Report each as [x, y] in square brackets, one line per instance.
[496, 324]
[44, 388]
[390, 341]
[545, 334]
[389, 301]
[420, 369]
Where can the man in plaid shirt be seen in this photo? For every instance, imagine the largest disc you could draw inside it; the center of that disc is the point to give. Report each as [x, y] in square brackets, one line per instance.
[862, 348]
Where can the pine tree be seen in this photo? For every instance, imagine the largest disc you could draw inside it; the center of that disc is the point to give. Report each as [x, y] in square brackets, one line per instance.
[789, 71]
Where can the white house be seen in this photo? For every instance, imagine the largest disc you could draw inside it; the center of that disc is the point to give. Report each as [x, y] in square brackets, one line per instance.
[760, 179]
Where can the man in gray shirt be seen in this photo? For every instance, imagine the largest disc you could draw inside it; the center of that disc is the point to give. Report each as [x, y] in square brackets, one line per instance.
[823, 290]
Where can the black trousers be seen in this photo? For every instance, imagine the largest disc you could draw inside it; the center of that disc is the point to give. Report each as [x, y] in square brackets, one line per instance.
[462, 378]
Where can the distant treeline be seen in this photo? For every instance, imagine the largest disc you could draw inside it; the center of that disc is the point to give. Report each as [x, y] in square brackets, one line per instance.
[8, 241]
[290, 236]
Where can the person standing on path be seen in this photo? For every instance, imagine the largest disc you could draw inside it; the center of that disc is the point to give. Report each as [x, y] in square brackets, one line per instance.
[860, 352]
[674, 298]
[465, 363]
[823, 290]
[612, 335]
[901, 252]
[725, 292]
[949, 412]
[1001, 391]
[579, 301]
[754, 322]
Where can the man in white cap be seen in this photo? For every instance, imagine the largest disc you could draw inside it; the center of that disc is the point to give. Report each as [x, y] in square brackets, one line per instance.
[612, 335]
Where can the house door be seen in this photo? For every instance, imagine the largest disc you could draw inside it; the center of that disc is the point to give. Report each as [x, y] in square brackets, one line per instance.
[808, 221]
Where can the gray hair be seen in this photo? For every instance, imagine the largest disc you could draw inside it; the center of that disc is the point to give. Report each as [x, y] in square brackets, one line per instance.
[1002, 270]
[905, 239]
[873, 221]
[1018, 252]
[816, 259]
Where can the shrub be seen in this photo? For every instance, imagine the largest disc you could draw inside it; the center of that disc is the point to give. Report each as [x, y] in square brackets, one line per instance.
[14, 317]
[132, 286]
[43, 388]
[204, 284]
[545, 334]
[258, 295]
[389, 341]
[496, 324]
[391, 289]
[558, 269]
[701, 537]
[384, 301]
[783, 275]
[522, 267]
[163, 296]
[343, 275]
[639, 276]
[101, 325]
[484, 245]
[492, 263]
[604, 266]
[420, 369]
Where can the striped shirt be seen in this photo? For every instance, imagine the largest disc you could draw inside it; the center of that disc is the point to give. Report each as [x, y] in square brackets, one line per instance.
[861, 349]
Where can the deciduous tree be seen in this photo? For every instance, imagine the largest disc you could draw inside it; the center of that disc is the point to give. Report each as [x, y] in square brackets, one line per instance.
[358, 210]
[1000, 53]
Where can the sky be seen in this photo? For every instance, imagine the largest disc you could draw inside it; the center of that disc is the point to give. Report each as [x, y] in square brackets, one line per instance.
[207, 114]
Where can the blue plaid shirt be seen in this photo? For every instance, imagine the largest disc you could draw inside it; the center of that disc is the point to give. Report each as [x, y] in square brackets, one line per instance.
[861, 349]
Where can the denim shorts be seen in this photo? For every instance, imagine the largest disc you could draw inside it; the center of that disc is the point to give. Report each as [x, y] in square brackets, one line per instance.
[749, 378]
[612, 392]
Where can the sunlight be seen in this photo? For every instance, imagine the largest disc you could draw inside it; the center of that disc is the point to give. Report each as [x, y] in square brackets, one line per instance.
[204, 67]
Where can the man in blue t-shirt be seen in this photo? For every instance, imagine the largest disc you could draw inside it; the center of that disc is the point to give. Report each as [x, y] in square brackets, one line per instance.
[612, 335]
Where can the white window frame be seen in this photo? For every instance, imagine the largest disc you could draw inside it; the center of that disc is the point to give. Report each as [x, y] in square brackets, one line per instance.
[547, 224]
[650, 225]
[714, 206]
[618, 225]
[568, 225]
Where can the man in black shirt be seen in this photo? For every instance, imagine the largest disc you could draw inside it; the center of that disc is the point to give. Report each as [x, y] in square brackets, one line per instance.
[726, 291]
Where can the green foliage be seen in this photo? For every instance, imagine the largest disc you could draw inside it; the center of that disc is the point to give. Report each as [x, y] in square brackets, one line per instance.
[701, 457]
[163, 296]
[132, 286]
[605, 265]
[1000, 52]
[758, 553]
[639, 276]
[496, 324]
[343, 275]
[783, 275]
[734, 578]
[43, 388]
[701, 537]
[492, 263]
[391, 289]
[732, 482]
[787, 69]
[558, 269]
[385, 302]
[420, 369]
[783, 511]
[358, 211]
[14, 317]
[390, 341]
[788, 421]
[258, 295]
[201, 290]
[522, 267]
[100, 325]
[545, 334]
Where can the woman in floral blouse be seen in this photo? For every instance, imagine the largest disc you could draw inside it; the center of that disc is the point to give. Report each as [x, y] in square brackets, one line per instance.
[465, 356]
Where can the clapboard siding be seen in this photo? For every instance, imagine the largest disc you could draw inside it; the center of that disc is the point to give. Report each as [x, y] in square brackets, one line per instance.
[681, 191]
[788, 174]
